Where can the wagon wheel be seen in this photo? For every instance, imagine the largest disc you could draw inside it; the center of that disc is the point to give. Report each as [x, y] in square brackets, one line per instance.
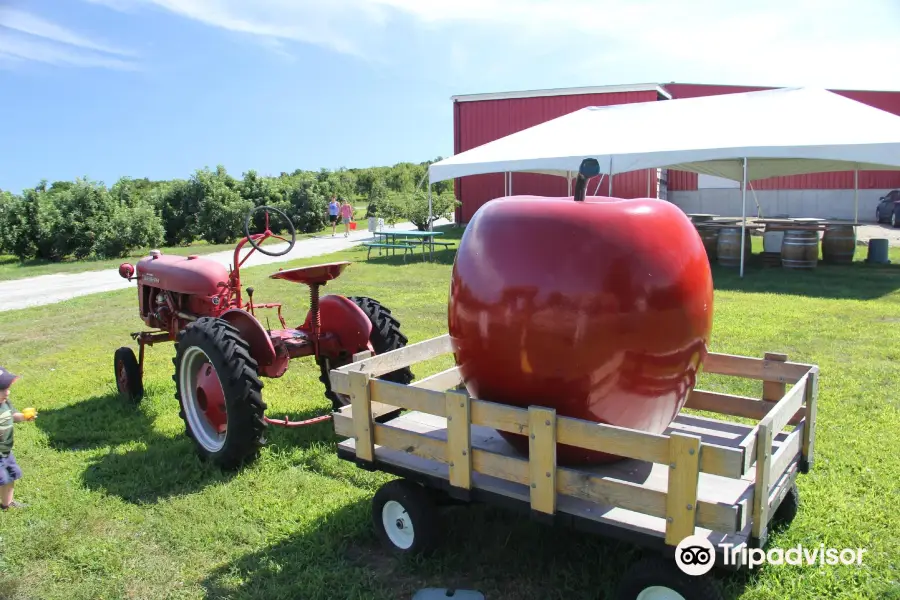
[385, 337]
[128, 375]
[405, 518]
[219, 391]
[654, 578]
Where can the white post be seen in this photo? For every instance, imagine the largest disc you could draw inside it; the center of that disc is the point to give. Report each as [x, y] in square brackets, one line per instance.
[568, 183]
[505, 181]
[609, 185]
[856, 195]
[430, 224]
[510, 183]
[743, 214]
[648, 182]
[599, 183]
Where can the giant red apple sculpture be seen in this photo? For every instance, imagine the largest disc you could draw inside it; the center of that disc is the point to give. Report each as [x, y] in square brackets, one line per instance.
[601, 309]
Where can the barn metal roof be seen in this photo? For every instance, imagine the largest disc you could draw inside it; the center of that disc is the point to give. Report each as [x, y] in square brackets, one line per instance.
[600, 89]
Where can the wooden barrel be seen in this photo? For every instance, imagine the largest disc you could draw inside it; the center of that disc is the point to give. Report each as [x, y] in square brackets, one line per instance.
[800, 249]
[839, 244]
[710, 237]
[728, 248]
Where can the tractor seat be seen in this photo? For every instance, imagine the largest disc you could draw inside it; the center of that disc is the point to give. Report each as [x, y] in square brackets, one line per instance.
[316, 274]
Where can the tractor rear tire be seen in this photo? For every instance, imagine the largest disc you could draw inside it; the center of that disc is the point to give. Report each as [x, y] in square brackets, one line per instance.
[128, 375]
[236, 372]
[385, 336]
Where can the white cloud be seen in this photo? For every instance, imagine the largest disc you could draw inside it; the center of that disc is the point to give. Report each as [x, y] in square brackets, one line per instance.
[816, 42]
[28, 37]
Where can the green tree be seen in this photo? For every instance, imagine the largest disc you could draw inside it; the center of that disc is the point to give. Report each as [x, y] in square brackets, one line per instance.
[222, 211]
[416, 208]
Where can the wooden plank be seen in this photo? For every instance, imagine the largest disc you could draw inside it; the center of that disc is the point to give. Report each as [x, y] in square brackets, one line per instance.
[748, 445]
[773, 391]
[362, 416]
[499, 416]
[410, 443]
[459, 440]
[635, 497]
[785, 408]
[442, 381]
[754, 368]
[361, 356]
[735, 406]
[542, 458]
[611, 439]
[502, 467]
[628, 484]
[781, 487]
[761, 485]
[786, 454]
[343, 418]
[809, 433]
[402, 357]
[409, 397]
[684, 477]
[515, 486]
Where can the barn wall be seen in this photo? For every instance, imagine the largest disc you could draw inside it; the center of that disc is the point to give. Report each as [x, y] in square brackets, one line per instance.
[823, 204]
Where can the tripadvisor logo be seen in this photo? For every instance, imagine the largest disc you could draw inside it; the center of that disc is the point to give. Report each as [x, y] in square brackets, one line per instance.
[696, 555]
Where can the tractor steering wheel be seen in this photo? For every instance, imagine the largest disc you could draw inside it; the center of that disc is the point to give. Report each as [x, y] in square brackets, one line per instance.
[268, 232]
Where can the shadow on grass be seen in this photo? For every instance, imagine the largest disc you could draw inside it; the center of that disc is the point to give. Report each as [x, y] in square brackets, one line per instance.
[859, 281]
[502, 554]
[96, 422]
[140, 465]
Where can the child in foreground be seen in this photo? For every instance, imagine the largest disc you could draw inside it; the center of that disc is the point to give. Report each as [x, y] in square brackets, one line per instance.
[9, 469]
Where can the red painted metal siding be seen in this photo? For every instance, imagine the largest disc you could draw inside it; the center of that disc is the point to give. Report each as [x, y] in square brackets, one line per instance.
[482, 121]
[887, 101]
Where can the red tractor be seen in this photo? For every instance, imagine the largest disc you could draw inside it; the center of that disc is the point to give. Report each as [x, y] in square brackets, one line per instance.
[223, 351]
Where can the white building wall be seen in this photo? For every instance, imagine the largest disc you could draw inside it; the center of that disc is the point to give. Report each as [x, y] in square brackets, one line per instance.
[824, 204]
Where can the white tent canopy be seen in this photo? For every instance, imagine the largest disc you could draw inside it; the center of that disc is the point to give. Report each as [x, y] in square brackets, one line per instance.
[787, 131]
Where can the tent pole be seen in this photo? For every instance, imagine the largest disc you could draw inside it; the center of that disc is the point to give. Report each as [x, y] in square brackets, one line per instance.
[609, 183]
[568, 183]
[648, 183]
[430, 225]
[510, 183]
[743, 214]
[856, 195]
[599, 183]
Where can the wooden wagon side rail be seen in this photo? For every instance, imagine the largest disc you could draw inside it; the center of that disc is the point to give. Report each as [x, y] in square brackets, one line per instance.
[686, 455]
[680, 506]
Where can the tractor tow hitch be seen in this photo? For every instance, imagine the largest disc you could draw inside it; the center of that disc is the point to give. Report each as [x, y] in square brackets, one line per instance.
[288, 423]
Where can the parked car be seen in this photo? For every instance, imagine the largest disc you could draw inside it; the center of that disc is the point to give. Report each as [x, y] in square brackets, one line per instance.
[889, 209]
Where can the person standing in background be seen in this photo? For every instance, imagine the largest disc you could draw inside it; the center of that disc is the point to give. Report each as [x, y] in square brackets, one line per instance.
[347, 215]
[333, 210]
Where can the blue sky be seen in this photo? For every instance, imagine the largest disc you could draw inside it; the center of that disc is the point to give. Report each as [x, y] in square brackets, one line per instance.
[159, 88]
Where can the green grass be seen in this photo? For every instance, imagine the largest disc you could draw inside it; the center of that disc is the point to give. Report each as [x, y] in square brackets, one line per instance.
[12, 268]
[121, 508]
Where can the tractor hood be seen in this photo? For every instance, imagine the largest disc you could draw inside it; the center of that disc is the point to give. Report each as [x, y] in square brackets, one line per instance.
[182, 274]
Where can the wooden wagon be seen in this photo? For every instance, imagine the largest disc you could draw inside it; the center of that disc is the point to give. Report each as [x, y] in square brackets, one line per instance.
[721, 480]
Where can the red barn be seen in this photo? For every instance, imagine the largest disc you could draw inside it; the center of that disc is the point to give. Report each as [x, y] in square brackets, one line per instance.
[481, 118]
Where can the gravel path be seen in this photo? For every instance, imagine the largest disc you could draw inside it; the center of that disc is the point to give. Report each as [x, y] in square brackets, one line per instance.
[50, 289]
[866, 232]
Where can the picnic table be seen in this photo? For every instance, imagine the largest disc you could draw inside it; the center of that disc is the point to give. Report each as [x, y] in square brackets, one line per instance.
[408, 240]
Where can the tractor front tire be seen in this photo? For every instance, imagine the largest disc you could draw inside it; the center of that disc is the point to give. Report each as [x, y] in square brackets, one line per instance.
[128, 375]
[216, 379]
[385, 337]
